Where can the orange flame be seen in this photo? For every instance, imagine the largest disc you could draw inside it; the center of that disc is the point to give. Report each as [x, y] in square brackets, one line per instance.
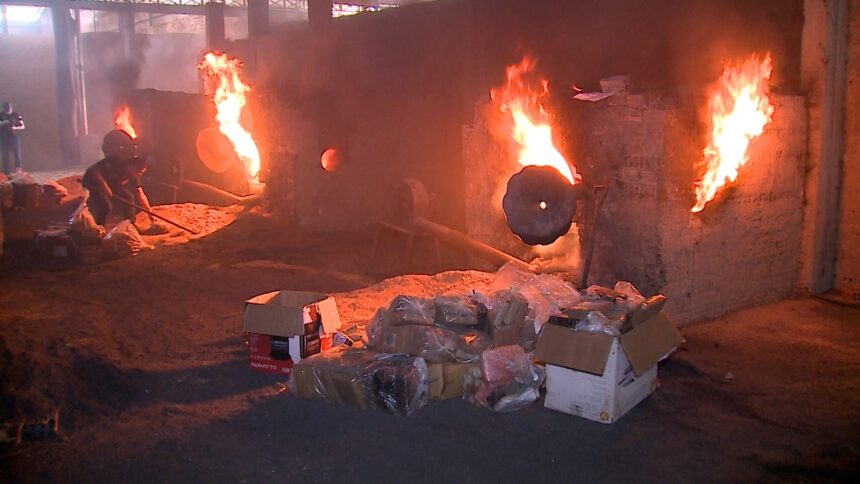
[221, 76]
[530, 126]
[123, 122]
[739, 108]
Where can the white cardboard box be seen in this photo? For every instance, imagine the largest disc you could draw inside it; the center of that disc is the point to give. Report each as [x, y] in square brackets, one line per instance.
[599, 376]
[603, 398]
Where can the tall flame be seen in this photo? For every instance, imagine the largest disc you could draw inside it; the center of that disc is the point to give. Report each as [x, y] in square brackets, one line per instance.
[222, 80]
[739, 108]
[123, 122]
[530, 126]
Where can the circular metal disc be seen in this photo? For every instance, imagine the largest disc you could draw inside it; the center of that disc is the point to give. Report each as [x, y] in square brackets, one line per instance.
[539, 205]
[215, 150]
[410, 201]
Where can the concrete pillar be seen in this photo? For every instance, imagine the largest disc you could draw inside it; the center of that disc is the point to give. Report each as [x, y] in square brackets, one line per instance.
[848, 256]
[80, 81]
[216, 36]
[126, 30]
[66, 113]
[258, 18]
[5, 25]
[319, 13]
[258, 26]
[823, 75]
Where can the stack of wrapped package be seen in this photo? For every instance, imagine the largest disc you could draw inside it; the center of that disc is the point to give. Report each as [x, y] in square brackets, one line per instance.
[474, 346]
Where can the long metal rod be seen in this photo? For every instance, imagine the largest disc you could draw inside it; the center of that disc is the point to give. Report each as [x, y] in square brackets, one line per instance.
[469, 243]
[150, 212]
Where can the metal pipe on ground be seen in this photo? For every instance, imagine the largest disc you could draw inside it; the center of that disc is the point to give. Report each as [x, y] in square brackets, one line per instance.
[247, 200]
[462, 240]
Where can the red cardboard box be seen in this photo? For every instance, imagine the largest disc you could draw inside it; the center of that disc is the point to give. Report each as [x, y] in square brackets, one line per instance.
[284, 327]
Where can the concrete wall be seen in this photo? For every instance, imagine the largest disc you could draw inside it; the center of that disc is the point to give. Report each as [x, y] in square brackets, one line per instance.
[848, 254]
[396, 86]
[27, 80]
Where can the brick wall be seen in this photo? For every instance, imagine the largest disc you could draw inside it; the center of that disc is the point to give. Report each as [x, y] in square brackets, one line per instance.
[487, 166]
[396, 87]
[742, 250]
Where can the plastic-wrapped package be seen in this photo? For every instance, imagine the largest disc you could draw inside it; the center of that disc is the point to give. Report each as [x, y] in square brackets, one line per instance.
[446, 380]
[436, 345]
[408, 326]
[503, 364]
[476, 342]
[411, 310]
[376, 326]
[400, 384]
[600, 293]
[458, 311]
[505, 381]
[83, 226]
[509, 276]
[597, 322]
[22, 178]
[479, 297]
[395, 383]
[546, 294]
[507, 317]
[644, 311]
[625, 296]
[557, 288]
[55, 187]
[122, 241]
[629, 290]
[333, 375]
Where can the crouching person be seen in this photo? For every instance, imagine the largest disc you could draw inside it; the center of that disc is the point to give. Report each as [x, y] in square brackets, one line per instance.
[116, 179]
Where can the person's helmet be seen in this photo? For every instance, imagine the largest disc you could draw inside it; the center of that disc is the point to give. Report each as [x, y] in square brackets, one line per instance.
[119, 144]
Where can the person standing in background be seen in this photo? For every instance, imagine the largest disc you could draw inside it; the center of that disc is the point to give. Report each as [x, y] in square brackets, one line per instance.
[11, 123]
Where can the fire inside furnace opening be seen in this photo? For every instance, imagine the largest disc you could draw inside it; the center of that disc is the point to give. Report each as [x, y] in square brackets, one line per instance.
[331, 160]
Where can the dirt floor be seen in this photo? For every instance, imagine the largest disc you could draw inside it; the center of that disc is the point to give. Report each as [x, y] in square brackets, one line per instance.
[145, 361]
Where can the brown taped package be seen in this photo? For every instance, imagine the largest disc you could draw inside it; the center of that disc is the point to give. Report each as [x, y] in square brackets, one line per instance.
[436, 345]
[339, 384]
[407, 310]
[446, 380]
[395, 383]
[508, 317]
[458, 311]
